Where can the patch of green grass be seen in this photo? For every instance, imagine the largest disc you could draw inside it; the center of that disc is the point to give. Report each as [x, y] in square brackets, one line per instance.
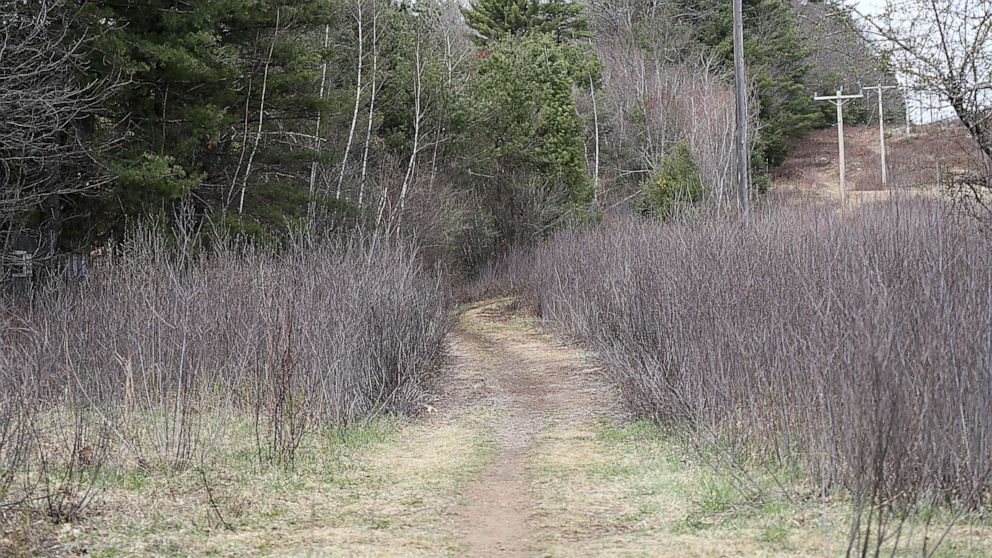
[645, 431]
[646, 483]
[127, 479]
[774, 534]
[956, 549]
[376, 431]
[615, 471]
[718, 495]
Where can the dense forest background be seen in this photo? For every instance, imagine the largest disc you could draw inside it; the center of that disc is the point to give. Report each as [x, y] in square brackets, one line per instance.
[470, 128]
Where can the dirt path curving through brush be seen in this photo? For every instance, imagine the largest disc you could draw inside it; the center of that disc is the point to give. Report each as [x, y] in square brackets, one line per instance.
[525, 453]
[532, 383]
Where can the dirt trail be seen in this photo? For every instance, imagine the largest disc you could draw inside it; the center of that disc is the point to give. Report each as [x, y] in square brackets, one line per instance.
[527, 454]
[532, 383]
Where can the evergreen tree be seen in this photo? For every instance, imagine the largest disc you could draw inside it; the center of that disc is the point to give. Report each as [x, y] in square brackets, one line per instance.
[197, 73]
[674, 186]
[494, 20]
[776, 57]
[526, 87]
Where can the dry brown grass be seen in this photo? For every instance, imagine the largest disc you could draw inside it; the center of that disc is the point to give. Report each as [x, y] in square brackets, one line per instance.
[385, 489]
[811, 172]
[608, 490]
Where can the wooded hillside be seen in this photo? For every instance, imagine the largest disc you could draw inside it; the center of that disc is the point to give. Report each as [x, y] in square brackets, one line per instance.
[469, 128]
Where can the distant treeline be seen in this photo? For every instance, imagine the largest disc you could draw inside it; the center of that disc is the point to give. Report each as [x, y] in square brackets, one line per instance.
[470, 128]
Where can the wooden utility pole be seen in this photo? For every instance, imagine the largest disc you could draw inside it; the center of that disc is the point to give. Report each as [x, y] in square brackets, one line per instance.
[881, 129]
[740, 78]
[905, 93]
[840, 100]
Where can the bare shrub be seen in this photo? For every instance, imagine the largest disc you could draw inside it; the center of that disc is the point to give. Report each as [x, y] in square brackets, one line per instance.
[658, 105]
[50, 111]
[16, 417]
[920, 160]
[141, 361]
[447, 226]
[854, 348]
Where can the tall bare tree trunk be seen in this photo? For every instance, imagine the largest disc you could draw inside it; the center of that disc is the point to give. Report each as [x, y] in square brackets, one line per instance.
[595, 121]
[358, 100]
[417, 90]
[241, 159]
[449, 63]
[372, 95]
[316, 133]
[261, 116]
[642, 94]
[382, 206]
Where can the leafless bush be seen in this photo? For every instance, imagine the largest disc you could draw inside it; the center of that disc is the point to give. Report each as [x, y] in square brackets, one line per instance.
[447, 226]
[16, 413]
[659, 90]
[658, 104]
[48, 113]
[156, 340]
[920, 160]
[972, 194]
[856, 348]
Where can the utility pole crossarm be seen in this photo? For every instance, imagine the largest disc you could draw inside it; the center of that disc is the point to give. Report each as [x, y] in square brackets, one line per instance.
[837, 97]
[839, 100]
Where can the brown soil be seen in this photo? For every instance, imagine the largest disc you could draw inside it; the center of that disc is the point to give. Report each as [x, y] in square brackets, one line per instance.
[810, 175]
[533, 383]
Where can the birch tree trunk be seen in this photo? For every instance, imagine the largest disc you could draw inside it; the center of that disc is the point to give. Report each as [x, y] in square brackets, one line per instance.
[372, 95]
[417, 90]
[261, 116]
[595, 125]
[241, 159]
[316, 133]
[358, 100]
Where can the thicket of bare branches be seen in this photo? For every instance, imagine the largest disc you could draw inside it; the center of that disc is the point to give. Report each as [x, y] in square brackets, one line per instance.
[841, 55]
[48, 112]
[944, 47]
[656, 94]
[854, 348]
[155, 352]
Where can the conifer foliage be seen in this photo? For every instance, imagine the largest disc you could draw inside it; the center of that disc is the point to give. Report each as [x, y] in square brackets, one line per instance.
[498, 19]
[776, 57]
[263, 115]
[530, 69]
[208, 82]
